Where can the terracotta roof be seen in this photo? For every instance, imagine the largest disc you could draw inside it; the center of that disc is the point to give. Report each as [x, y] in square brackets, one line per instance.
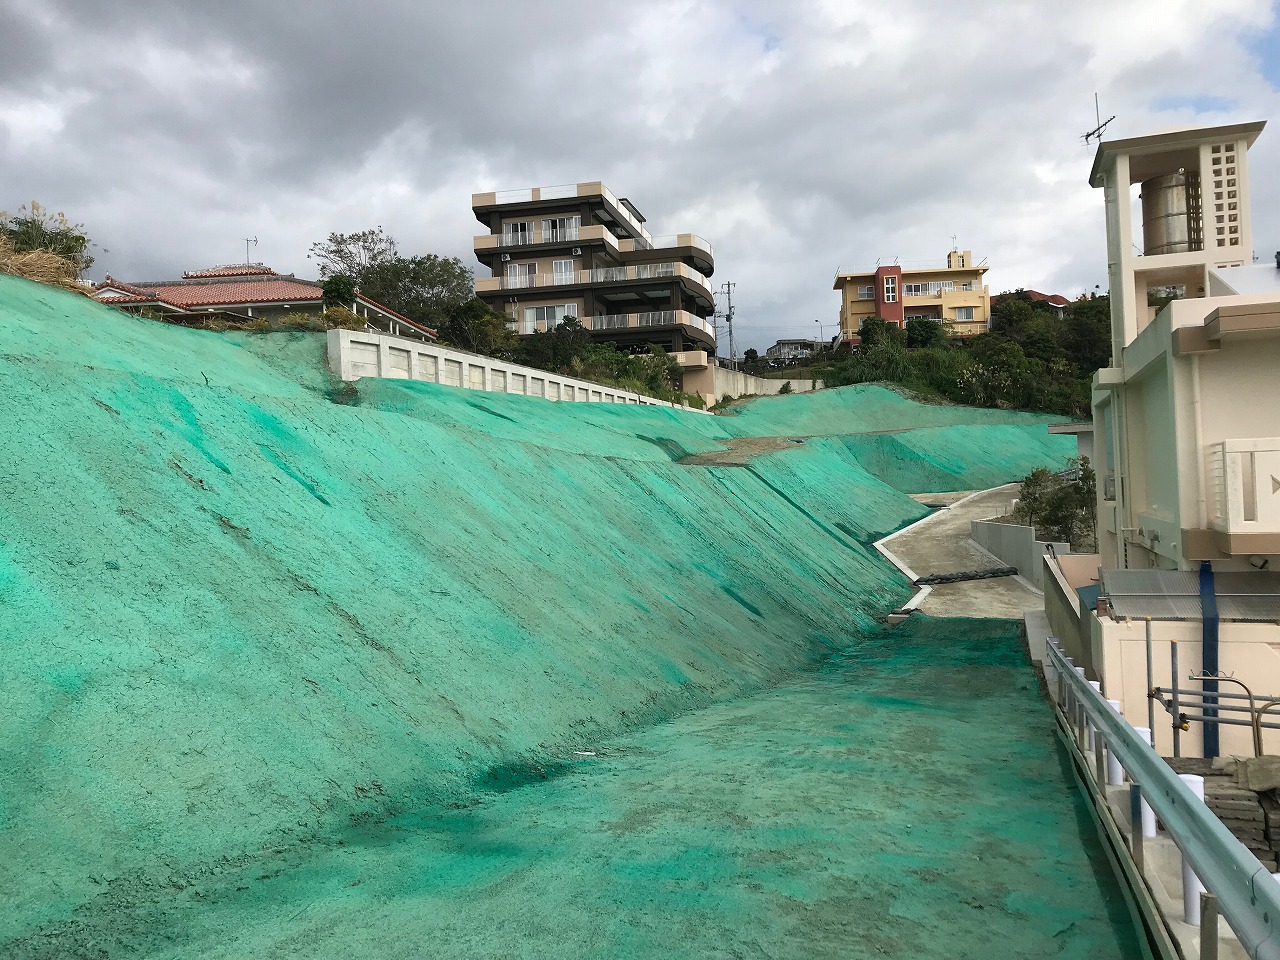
[234, 270]
[238, 292]
[1054, 299]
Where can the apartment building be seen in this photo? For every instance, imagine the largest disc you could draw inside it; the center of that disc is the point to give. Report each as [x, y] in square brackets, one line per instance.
[578, 250]
[951, 292]
[792, 350]
[1186, 428]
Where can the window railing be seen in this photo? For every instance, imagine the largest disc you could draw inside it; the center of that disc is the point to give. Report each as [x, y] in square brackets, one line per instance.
[525, 238]
[639, 271]
[657, 318]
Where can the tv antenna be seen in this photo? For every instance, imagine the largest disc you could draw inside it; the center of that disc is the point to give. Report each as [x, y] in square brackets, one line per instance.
[247, 241]
[1096, 132]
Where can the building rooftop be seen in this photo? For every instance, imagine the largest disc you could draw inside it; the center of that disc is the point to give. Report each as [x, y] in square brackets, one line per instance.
[1168, 142]
[1250, 277]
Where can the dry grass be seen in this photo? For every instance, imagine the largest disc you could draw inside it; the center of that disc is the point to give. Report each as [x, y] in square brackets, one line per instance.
[41, 266]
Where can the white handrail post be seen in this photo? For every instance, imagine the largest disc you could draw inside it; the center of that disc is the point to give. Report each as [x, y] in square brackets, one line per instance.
[1192, 888]
[1115, 772]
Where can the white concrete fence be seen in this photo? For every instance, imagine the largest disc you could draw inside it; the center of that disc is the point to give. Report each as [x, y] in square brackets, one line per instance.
[1015, 545]
[355, 353]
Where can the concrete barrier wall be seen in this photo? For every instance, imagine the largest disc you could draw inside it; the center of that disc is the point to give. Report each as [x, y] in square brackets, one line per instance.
[354, 354]
[1015, 545]
[1062, 610]
[737, 383]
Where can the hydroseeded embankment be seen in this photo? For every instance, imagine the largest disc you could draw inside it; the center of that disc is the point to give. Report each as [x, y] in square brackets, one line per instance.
[241, 615]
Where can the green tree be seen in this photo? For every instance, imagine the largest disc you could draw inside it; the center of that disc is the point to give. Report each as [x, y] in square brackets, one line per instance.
[872, 332]
[924, 332]
[1059, 507]
[428, 289]
[339, 291]
[353, 253]
[34, 227]
[473, 326]
[751, 355]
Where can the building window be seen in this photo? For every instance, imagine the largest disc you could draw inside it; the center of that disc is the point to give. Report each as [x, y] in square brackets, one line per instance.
[562, 271]
[521, 275]
[964, 313]
[550, 316]
[555, 229]
[868, 292]
[890, 289]
[517, 234]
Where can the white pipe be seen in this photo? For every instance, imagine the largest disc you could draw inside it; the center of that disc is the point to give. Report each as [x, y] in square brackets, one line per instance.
[1093, 740]
[1191, 885]
[1202, 499]
[1148, 815]
[1115, 772]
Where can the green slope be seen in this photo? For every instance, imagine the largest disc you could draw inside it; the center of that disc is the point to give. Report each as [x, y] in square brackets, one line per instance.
[238, 614]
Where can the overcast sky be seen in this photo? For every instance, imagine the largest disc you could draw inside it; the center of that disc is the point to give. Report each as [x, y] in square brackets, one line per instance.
[799, 138]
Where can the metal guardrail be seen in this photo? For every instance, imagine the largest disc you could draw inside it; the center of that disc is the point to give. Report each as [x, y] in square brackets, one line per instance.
[1248, 896]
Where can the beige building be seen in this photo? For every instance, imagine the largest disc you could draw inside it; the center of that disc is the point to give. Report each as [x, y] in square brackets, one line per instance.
[1186, 425]
[578, 250]
[951, 292]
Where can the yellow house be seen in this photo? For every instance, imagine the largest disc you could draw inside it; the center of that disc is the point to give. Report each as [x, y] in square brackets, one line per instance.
[952, 293]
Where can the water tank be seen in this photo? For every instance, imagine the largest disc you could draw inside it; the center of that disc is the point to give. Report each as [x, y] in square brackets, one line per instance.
[1167, 205]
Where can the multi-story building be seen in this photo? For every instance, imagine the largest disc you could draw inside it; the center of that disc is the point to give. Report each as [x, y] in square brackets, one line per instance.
[952, 293]
[579, 251]
[1186, 430]
[791, 350]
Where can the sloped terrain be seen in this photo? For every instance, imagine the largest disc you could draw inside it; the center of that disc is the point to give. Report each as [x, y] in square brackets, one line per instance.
[246, 610]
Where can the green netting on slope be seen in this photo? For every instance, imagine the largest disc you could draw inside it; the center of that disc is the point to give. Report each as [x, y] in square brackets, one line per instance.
[234, 616]
[859, 409]
[239, 614]
[956, 458]
[907, 800]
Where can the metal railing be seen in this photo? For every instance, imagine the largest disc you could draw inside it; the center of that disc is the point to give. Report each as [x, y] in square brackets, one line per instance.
[525, 238]
[656, 318]
[639, 271]
[1248, 896]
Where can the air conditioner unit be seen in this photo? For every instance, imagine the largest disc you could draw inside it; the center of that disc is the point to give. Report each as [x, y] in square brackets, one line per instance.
[506, 257]
[577, 251]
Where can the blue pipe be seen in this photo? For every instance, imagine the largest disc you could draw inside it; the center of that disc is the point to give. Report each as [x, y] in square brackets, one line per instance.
[1209, 655]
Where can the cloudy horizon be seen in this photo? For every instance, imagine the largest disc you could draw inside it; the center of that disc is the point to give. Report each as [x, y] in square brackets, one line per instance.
[800, 139]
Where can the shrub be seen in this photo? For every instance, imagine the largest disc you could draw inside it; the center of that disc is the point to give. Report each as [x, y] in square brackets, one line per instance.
[785, 388]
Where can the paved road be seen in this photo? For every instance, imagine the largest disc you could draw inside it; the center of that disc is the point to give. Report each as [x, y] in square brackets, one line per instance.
[941, 544]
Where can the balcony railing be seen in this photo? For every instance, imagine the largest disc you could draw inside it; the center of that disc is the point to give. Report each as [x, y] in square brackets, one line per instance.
[638, 271]
[668, 242]
[657, 318]
[539, 236]
[563, 191]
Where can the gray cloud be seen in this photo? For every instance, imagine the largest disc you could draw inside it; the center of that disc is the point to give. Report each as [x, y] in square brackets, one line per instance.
[798, 138]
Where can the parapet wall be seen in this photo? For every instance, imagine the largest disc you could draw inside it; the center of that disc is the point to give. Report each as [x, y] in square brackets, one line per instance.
[355, 353]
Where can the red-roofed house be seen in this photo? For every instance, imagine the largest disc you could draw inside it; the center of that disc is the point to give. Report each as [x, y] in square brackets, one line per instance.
[1054, 301]
[245, 290]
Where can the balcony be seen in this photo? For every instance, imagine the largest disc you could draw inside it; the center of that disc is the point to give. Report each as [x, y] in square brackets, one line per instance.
[588, 234]
[563, 191]
[666, 243]
[1244, 479]
[691, 359]
[658, 318]
[639, 271]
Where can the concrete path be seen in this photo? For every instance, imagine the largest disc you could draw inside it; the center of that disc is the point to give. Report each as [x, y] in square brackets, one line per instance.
[941, 544]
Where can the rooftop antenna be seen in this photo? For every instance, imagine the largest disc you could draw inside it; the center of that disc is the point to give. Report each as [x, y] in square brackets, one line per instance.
[1096, 132]
[247, 241]
[953, 241]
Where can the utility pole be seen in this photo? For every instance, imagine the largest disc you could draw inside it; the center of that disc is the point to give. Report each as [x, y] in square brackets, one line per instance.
[727, 289]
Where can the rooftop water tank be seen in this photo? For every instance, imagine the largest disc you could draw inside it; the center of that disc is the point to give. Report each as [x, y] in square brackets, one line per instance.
[1170, 211]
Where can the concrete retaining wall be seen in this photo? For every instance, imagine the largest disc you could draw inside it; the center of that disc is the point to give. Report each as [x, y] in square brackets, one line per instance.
[1015, 545]
[354, 354]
